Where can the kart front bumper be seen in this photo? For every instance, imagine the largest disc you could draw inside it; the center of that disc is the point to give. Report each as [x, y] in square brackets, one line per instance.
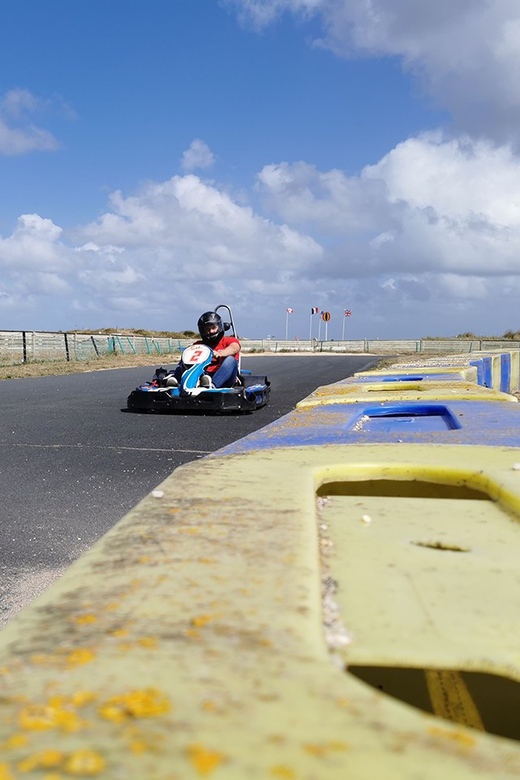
[235, 399]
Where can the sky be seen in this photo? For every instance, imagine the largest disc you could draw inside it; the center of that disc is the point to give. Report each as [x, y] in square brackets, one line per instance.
[161, 157]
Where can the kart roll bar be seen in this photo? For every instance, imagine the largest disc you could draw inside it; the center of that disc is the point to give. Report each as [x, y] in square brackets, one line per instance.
[230, 325]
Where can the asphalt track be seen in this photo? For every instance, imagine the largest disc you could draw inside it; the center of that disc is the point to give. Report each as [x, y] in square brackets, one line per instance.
[73, 462]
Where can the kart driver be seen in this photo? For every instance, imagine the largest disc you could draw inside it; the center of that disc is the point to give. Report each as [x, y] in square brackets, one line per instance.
[223, 369]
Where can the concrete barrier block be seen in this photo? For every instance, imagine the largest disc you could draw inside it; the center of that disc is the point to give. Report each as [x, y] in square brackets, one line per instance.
[403, 391]
[468, 372]
[212, 632]
[455, 422]
[491, 363]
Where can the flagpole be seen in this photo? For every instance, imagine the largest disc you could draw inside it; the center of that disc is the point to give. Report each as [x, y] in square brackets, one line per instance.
[346, 314]
[310, 328]
[286, 325]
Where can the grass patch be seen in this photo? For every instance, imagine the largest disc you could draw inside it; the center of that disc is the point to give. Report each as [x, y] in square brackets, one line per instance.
[35, 368]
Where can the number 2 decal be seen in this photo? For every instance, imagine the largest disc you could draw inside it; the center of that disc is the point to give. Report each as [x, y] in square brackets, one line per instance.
[196, 354]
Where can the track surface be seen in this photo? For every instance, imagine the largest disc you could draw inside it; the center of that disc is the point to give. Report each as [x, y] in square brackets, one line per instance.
[73, 463]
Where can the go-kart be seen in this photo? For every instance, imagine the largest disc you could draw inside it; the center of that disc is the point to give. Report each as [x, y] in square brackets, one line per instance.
[165, 393]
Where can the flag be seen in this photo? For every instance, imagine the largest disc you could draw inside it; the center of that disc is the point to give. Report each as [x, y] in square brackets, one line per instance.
[348, 313]
[314, 310]
[291, 311]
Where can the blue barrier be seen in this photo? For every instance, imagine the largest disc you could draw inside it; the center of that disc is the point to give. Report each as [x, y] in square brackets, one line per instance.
[411, 377]
[505, 372]
[479, 365]
[488, 371]
[475, 423]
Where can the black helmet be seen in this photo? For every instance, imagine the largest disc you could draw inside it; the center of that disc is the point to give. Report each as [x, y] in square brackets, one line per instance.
[207, 321]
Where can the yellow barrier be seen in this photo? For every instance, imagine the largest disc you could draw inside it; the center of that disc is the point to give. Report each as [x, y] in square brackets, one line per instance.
[424, 390]
[515, 371]
[225, 627]
[469, 373]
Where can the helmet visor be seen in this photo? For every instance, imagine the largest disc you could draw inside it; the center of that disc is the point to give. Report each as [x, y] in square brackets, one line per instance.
[209, 329]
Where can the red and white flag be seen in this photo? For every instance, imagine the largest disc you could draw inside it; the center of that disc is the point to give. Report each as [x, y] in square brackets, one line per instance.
[290, 311]
[348, 313]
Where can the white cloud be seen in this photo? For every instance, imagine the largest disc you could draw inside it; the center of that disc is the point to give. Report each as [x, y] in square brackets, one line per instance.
[47, 284]
[329, 201]
[453, 176]
[199, 155]
[463, 287]
[17, 102]
[16, 140]
[33, 246]
[260, 13]
[429, 204]
[193, 229]
[181, 240]
[465, 52]
[431, 232]
[18, 133]
[35, 266]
